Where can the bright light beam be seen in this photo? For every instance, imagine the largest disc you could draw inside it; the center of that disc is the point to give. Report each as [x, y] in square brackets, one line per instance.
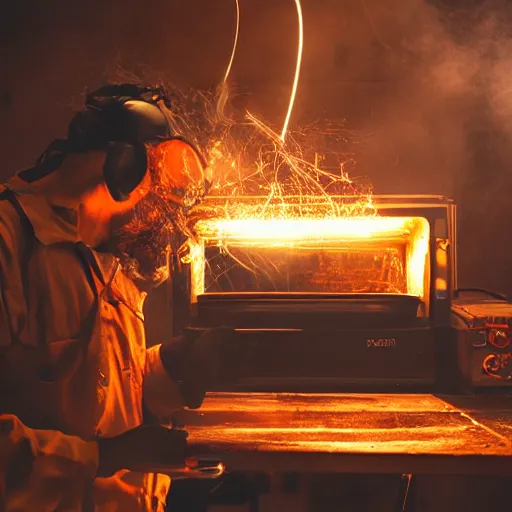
[235, 42]
[297, 70]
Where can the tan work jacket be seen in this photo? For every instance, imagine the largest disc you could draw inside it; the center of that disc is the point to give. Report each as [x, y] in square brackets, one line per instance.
[73, 363]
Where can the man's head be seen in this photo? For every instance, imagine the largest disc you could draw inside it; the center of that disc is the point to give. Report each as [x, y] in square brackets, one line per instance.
[135, 177]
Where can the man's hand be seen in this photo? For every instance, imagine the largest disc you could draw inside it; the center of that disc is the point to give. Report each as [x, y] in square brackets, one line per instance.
[209, 355]
[146, 448]
[198, 360]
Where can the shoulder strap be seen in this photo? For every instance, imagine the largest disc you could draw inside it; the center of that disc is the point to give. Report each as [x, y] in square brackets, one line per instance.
[26, 225]
[8, 195]
[83, 252]
[89, 265]
[49, 161]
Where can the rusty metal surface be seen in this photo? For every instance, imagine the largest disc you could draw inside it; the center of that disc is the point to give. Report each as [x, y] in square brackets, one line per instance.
[493, 412]
[352, 432]
[488, 310]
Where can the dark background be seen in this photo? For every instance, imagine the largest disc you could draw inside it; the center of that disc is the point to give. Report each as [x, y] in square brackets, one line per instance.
[424, 87]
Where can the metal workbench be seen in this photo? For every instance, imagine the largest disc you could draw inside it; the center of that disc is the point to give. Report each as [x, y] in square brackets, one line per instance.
[354, 433]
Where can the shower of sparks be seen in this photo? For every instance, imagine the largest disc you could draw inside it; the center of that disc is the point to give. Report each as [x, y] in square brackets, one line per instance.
[256, 174]
[283, 213]
[248, 158]
[273, 186]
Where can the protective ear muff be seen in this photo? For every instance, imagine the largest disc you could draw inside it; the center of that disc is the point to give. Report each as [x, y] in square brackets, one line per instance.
[131, 125]
[124, 168]
[120, 119]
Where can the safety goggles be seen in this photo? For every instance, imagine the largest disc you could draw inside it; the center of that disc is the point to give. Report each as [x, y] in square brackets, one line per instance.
[179, 172]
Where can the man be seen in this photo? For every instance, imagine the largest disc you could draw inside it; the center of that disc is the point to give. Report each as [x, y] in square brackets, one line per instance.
[81, 234]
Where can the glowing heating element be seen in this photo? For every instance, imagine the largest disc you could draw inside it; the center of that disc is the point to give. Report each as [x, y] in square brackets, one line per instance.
[308, 255]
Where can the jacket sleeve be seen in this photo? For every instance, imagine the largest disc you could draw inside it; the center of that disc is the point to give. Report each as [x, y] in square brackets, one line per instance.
[39, 469]
[162, 394]
[43, 470]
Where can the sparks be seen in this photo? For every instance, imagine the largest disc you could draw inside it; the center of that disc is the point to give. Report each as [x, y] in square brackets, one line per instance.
[275, 186]
[279, 218]
[223, 89]
[300, 45]
[235, 42]
[297, 70]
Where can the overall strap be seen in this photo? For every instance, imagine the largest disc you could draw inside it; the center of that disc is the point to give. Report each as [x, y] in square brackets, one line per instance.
[8, 195]
[28, 236]
[84, 254]
[90, 266]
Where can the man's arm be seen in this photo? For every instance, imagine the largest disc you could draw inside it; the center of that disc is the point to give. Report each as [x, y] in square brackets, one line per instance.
[32, 461]
[179, 372]
[162, 393]
[46, 464]
[43, 470]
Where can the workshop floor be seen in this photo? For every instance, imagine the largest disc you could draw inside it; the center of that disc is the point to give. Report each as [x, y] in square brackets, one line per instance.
[373, 493]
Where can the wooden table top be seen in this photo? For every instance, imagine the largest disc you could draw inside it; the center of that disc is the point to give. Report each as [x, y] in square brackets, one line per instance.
[370, 433]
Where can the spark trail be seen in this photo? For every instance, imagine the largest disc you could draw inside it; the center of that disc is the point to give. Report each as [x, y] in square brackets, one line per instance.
[235, 42]
[300, 46]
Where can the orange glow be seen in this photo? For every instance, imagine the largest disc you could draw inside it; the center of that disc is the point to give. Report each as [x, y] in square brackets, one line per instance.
[441, 281]
[417, 251]
[370, 254]
[441, 284]
[378, 424]
[292, 231]
[103, 204]
[98, 209]
[282, 222]
[180, 169]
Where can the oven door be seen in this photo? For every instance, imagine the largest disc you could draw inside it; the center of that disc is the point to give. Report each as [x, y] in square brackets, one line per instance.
[322, 343]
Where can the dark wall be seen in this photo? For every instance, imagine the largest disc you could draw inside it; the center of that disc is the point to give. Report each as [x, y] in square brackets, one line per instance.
[424, 86]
